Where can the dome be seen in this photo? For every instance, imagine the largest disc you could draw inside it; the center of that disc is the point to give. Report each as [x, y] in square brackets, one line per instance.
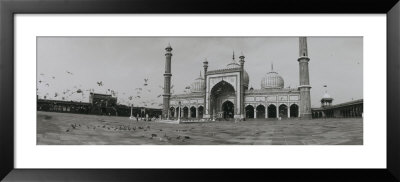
[272, 80]
[326, 96]
[234, 64]
[198, 85]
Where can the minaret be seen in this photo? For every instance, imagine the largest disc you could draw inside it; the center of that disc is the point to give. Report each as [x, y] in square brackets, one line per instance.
[206, 114]
[304, 87]
[241, 61]
[167, 82]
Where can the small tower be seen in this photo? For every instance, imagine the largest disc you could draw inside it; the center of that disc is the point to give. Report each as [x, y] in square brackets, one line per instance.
[326, 100]
[304, 87]
[167, 82]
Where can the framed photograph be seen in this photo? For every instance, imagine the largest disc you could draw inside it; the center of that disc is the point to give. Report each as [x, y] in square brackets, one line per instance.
[108, 91]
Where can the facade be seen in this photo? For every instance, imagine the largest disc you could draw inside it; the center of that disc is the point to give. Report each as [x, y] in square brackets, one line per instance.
[224, 93]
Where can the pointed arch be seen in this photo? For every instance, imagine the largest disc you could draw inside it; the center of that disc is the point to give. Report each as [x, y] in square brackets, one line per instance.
[249, 111]
[260, 110]
[272, 111]
[283, 111]
[294, 111]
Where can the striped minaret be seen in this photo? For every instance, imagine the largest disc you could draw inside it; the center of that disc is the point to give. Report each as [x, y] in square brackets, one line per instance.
[304, 87]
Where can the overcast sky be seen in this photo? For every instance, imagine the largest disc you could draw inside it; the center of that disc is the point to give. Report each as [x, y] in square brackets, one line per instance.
[122, 64]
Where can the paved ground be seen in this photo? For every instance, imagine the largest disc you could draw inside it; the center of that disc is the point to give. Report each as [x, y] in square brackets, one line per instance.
[76, 129]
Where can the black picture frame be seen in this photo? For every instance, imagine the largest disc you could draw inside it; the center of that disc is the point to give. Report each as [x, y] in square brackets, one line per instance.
[8, 8]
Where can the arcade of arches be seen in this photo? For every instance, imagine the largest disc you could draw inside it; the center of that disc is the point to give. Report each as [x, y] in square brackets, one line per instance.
[271, 111]
[353, 109]
[187, 112]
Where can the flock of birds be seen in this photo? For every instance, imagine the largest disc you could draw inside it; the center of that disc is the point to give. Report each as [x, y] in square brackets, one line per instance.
[145, 130]
[139, 96]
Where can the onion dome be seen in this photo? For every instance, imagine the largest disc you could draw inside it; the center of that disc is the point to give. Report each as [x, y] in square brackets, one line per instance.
[198, 85]
[234, 64]
[272, 80]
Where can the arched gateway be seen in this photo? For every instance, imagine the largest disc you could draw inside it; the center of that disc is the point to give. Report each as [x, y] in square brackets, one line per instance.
[222, 100]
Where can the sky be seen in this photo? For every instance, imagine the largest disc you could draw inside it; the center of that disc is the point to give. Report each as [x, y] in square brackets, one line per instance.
[66, 64]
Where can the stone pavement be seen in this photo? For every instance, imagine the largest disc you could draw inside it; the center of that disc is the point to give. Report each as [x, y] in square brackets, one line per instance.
[77, 129]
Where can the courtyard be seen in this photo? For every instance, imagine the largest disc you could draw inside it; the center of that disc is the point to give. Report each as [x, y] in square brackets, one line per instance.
[79, 129]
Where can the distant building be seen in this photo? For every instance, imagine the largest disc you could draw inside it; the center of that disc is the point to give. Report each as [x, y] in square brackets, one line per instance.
[352, 109]
[103, 104]
[99, 104]
[63, 106]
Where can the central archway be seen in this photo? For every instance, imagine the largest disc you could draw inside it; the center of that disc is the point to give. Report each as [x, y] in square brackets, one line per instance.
[220, 93]
[228, 109]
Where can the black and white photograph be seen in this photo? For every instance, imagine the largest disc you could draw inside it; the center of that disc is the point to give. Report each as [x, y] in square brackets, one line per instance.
[199, 90]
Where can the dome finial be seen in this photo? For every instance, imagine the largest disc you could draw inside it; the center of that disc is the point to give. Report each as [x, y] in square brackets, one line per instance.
[200, 74]
[272, 66]
[233, 55]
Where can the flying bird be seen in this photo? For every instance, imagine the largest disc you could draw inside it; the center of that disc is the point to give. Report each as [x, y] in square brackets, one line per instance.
[100, 83]
[145, 81]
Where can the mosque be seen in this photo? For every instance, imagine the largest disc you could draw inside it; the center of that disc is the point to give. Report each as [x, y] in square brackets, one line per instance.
[225, 93]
